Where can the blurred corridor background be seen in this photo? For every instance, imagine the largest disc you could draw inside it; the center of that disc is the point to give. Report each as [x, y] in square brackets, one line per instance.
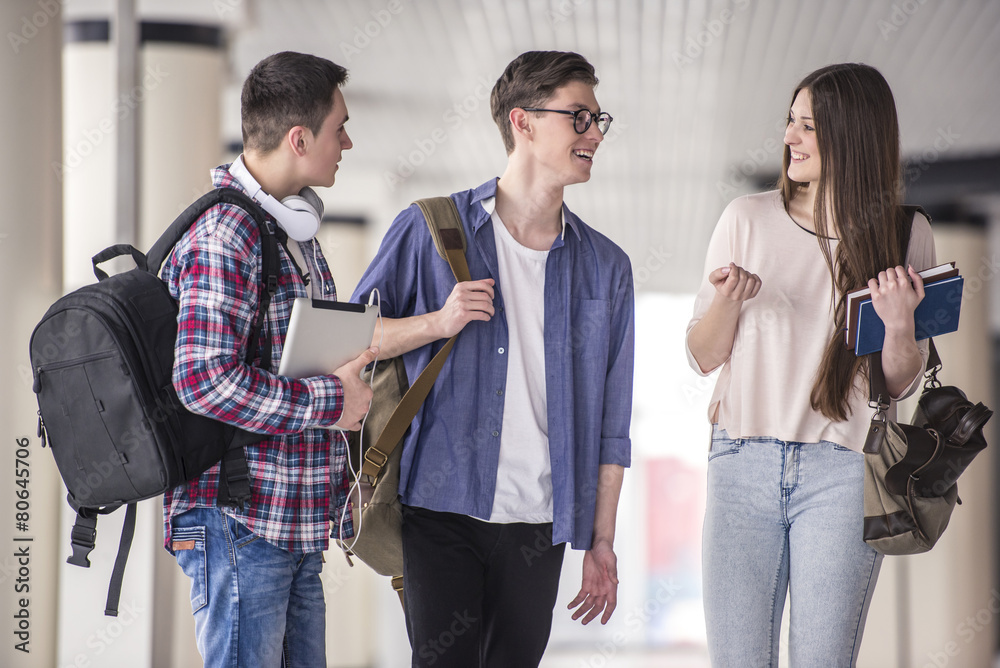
[114, 112]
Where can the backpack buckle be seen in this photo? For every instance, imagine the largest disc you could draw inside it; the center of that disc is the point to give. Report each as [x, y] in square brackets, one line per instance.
[378, 460]
[82, 538]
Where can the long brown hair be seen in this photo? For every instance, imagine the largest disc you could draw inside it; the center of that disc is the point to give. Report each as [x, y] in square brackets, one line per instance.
[857, 133]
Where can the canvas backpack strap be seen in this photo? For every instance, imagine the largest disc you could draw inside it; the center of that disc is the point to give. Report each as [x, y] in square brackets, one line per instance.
[446, 229]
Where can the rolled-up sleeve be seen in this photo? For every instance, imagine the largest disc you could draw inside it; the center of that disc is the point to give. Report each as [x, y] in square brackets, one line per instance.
[616, 446]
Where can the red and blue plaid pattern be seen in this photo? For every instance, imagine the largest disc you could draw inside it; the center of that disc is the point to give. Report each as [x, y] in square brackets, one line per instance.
[214, 272]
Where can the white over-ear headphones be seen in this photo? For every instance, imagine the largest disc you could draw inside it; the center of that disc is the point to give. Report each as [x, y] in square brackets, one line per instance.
[298, 215]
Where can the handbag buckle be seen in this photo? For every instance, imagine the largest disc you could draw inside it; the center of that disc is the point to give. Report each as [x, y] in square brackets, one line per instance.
[880, 404]
[877, 428]
[930, 378]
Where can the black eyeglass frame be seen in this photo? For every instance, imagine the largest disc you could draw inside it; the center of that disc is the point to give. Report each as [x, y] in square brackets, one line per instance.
[576, 118]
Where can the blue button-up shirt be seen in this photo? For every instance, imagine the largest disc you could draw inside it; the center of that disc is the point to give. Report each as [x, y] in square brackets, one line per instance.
[450, 455]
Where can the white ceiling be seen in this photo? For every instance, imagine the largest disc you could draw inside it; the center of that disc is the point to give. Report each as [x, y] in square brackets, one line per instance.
[698, 90]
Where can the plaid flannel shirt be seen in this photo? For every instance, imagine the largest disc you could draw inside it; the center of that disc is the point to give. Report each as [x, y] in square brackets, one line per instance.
[213, 272]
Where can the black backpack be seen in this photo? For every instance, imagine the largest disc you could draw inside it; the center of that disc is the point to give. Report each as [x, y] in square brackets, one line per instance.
[102, 358]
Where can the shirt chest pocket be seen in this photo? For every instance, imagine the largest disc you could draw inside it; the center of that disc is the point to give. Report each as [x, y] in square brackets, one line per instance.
[590, 330]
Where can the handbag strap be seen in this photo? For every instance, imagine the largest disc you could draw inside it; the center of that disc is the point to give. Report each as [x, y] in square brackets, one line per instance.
[878, 392]
[445, 227]
[879, 398]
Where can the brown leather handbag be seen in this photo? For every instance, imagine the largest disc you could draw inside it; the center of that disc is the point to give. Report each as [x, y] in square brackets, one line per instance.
[912, 470]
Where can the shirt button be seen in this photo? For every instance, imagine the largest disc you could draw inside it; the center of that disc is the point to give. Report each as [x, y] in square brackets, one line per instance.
[499, 393]
[500, 350]
[495, 434]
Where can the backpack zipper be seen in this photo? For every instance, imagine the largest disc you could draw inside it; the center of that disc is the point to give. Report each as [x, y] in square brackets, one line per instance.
[42, 433]
[65, 364]
[55, 366]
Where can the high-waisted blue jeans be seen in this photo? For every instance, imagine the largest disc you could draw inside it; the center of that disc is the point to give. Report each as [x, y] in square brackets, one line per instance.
[255, 605]
[784, 516]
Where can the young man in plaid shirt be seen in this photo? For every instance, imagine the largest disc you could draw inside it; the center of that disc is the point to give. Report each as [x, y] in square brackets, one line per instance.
[256, 592]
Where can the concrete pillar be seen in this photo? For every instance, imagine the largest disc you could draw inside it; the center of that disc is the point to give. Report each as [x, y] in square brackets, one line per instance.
[90, 115]
[180, 83]
[92, 111]
[30, 273]
[180, 86]
[176, 103]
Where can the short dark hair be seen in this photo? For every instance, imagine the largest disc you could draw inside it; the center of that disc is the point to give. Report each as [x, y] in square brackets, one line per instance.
[284, 90]
[530, 80]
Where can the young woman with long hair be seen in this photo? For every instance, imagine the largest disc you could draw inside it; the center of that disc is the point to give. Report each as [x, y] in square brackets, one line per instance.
[790, 407]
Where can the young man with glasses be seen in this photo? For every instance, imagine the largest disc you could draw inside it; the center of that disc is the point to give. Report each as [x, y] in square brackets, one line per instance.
[522, 443]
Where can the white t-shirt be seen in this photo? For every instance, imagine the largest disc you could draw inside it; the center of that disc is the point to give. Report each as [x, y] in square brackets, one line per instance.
[763, 388]
[524, 473]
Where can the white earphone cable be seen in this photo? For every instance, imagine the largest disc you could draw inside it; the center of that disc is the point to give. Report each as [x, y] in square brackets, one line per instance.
[376, 297]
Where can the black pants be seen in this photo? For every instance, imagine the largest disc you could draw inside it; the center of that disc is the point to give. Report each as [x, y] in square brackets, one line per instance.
[477, 594]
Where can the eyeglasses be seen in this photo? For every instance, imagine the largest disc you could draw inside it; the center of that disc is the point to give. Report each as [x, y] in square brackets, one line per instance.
[582, 119]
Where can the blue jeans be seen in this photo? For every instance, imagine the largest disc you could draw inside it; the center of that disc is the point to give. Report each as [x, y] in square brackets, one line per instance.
[784, 516]
[255, 605]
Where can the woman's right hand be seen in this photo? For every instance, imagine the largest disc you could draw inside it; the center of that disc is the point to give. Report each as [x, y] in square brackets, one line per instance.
[734, 283]
[711, 339]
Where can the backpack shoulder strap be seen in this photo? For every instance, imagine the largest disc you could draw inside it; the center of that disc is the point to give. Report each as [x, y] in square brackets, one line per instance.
[270, 263]
[234, 486]
[161, 247]
[446, 229]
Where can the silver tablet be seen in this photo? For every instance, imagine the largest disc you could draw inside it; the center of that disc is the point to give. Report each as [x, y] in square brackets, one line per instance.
[323, 336]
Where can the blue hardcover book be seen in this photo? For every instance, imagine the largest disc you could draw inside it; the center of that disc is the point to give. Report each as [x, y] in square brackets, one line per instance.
[936, 314]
